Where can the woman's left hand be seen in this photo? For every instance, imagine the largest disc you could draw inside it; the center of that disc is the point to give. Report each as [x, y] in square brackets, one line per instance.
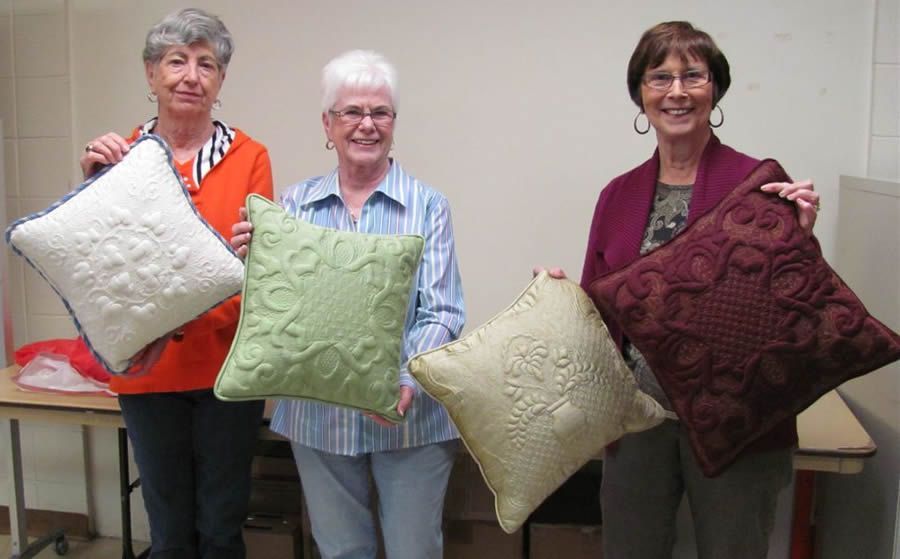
[240, 233]
[801, 193]
[406, 398]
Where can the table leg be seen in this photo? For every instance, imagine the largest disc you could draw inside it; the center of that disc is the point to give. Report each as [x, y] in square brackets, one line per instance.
[88, 483]
[17, 526]
[803, 530]
[125, 489]
[125, 495]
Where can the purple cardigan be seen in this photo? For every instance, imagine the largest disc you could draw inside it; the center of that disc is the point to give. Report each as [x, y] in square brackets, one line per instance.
[620, 219]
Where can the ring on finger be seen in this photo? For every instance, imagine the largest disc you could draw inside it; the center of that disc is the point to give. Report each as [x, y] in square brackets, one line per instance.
[89, 147]
[818, 205]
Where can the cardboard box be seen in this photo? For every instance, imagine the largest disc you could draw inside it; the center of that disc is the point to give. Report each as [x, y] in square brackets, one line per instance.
[274, 468]
[468, 539]
[273, 537]
[577, 501]
[310, 551]
[572, 541]
[274, 459]
[275, 497]
[468, 496]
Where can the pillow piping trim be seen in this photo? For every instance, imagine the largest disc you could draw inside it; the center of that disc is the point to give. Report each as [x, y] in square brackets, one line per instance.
[732, 455]
[541, 277]
[170, 160]
[395, 420]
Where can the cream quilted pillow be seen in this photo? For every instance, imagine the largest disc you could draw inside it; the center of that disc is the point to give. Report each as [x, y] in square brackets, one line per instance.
[536, 392]
[129, 255]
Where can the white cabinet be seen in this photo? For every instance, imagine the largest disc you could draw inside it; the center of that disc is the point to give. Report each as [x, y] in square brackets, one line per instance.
[858, 513]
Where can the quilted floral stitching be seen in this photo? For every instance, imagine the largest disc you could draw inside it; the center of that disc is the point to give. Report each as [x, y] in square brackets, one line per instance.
[536, 392]
[118, 252]
[322, 314]
[743, 321]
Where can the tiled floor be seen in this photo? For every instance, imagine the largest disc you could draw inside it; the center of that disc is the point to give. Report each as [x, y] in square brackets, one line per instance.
[100, 548]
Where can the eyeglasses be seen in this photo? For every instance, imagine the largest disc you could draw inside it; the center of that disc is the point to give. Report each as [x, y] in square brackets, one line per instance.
[689, 80]
[381, 116]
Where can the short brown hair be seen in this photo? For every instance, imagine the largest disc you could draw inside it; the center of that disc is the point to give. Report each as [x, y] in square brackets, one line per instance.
[683, 39]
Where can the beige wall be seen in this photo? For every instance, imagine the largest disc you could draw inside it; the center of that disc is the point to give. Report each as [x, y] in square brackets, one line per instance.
[516, 109]
[40, 166]
[884, 152]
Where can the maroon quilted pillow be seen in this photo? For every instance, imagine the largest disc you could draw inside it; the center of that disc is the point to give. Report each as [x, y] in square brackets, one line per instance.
[743, 321]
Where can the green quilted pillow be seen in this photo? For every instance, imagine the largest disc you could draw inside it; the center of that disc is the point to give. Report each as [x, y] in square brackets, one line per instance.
[322, 314]
[536, 392]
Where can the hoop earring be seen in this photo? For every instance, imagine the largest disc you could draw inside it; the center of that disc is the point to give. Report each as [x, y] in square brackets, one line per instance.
[217, 104]
[151, 97]
[329, 145]
[635, 124]
[721, 118]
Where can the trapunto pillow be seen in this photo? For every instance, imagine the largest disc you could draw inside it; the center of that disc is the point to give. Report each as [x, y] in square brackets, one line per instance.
[129, 255]
[322, 314]
[536, 392]
[742, 320]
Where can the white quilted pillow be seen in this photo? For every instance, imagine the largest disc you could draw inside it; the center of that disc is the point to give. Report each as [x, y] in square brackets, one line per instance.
[129, 255]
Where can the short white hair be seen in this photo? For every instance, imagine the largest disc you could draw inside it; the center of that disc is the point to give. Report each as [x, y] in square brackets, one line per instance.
[357, 69]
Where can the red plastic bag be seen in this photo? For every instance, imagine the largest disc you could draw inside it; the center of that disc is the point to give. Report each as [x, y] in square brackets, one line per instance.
[75, 349]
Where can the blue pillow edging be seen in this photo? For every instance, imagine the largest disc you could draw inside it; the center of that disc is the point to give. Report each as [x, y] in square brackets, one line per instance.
[171, 161]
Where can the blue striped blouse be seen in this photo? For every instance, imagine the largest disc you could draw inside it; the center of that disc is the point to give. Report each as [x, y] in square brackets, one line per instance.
[399, 205]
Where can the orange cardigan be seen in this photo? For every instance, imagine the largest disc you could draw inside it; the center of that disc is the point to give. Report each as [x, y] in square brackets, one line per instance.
[194, 362]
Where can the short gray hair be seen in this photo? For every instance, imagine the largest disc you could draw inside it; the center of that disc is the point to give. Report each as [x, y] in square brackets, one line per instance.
[357, 69]
[186, 27]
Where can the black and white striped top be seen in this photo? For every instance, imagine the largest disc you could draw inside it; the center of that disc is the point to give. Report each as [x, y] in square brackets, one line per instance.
[212, 151]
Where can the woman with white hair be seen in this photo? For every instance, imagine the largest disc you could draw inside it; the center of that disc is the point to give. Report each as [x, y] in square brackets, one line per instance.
[192, 450]
[338, 449]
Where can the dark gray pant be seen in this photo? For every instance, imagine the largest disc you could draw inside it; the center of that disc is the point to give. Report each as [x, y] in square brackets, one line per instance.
[193, 453]
[645, 478]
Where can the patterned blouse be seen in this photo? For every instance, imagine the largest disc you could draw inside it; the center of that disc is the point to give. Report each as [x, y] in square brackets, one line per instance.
[667, 218]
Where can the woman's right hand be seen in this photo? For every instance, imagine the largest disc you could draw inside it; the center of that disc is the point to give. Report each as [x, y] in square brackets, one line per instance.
[240, 233]
[557, 273]
[104, 150]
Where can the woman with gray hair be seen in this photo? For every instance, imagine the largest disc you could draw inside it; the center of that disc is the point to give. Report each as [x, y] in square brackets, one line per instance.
[338, 449]
[193, 451]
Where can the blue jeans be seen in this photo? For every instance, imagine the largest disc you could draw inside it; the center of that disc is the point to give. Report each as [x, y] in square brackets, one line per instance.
[193, 453]
[411, 484]
[644, 480]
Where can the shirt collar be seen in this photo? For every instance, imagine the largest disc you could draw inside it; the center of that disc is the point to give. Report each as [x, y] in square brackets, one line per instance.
[212, 152]
[390, 186]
